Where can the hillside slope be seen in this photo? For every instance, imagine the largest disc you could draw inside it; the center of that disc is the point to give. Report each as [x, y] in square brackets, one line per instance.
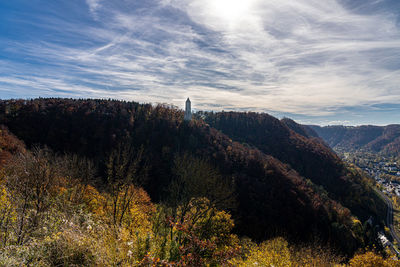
[71, 223]
[306, 154]
[9, 146]
[272, 198]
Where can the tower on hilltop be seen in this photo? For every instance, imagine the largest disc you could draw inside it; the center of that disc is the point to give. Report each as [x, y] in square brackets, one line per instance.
[188, 110]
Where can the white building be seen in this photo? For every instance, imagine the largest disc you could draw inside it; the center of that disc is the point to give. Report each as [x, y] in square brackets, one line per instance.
[382, 238]
[188, 110]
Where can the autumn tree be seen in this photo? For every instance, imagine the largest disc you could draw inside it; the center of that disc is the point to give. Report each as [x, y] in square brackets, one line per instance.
[80, 173]
[30, 178]
[125, 167]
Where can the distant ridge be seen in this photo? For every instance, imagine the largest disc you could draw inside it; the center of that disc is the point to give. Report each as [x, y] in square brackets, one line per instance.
[379, 139]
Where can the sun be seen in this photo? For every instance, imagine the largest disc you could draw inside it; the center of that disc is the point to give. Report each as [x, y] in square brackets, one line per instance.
[231, 10]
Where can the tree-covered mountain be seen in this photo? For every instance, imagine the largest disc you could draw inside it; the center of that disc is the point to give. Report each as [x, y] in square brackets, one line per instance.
[298, 147]
[282, 182]
[382, 139]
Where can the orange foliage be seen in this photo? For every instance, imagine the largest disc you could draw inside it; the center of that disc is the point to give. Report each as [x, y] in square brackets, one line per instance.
[9, 145]
[94, 200]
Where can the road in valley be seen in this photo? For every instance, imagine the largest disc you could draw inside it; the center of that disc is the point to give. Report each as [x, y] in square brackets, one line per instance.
[389, 218]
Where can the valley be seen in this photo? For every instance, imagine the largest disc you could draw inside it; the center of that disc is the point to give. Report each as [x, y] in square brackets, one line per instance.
[384, 169]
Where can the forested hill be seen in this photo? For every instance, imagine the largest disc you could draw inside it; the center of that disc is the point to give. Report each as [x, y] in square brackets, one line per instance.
[282, 183]
[300, 129]
[384, 139]
[306, 154]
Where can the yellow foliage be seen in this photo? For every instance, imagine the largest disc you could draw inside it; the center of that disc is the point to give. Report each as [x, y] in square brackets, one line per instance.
[140, 210]
[370, 259]
[5, 204]
[94, 201]
[274, 252]
[277, 252]
[207, 221]
[132, 208]
[8, 214]
[311, 256]
[113, 246]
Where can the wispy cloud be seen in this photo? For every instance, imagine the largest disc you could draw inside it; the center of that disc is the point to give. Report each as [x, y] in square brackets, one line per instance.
[302, 57]
[93, 5]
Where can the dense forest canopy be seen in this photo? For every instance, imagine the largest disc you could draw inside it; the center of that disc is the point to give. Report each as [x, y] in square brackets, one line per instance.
[300, 147]
[273, 180]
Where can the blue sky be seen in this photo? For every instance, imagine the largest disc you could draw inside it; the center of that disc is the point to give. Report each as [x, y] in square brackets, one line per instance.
[320, 62]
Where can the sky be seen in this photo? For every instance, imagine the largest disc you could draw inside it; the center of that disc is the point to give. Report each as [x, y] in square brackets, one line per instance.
[317, 62]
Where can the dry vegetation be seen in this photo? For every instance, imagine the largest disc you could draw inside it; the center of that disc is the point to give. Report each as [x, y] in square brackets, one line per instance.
[52, 216]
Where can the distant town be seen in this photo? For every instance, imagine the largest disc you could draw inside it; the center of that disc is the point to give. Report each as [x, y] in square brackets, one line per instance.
[384, 169]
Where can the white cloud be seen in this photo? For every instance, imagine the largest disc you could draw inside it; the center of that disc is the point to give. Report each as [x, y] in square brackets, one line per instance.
[306, 56]
[318, 54]
[93, 5]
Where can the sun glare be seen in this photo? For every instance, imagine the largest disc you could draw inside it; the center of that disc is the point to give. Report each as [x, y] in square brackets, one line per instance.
[231, 10]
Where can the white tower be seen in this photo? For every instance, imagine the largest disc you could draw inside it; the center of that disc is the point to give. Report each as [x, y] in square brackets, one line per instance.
[188, 110]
